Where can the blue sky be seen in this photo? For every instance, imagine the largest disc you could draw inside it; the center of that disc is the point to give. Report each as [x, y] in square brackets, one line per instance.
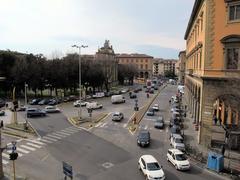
[50, 27]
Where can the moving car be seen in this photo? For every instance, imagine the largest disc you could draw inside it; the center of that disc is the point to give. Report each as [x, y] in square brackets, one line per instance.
[52, 109]
[117, 116]
[150, 112]
[133, 96]
[156, 107]
[178, 159]
[143, 138]
[151, 91]
[93, 105]
[150, 167]
[2, 112]
[159, 123]
[35, 101]
[35, 112]
[77, 103]
[44, 102]
[117, 99]
[176, 141]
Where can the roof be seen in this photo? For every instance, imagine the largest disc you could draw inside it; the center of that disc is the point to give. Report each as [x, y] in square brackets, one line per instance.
[149, 158]
[195, 9]
[176, 151]
[134, 55]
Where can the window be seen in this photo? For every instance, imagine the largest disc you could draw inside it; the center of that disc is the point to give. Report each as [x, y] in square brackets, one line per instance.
[141, 66]
[234, 12]
[127, 60]
[200, 60]
[141, 60]
[146, 60]
[146, 66]
[232, 58]
[136, 60]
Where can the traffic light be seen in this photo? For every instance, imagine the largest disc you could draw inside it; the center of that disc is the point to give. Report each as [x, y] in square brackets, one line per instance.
[13, 156]
[15, 105]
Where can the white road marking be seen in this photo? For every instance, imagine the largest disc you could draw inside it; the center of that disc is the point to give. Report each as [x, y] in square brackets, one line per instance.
[69, 131]
[98, 124]
[60, 135]
[125, 125]
[34, 145]
[5, 155]
[66, 134]
[49, 138]
[73, 128]
[35, 141]
[46, 141]
[29, 148]
[22, 150]
[146, 127]
[103, 124]
[52, 136]
[4, 162]
[149, 119]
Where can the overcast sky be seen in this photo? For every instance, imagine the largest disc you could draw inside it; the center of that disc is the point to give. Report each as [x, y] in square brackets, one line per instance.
[50, 27]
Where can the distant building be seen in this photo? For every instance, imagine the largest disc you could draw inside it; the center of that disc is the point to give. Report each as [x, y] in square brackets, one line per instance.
[213, 70]
[182, 64]
[142, 62]
[163, 66]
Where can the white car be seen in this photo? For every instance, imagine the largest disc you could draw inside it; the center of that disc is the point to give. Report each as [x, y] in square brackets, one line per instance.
[155, 107]
[178, 159]
[52, 109]
[150, 168]
[77, 103]
[94, 105]
[117, 116]
[176, 141]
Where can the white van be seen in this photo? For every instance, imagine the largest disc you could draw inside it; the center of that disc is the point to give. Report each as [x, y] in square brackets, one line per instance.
[117, 99]
[93, 105]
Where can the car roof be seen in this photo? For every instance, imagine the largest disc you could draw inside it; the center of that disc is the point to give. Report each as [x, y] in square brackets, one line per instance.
[176, 151]
[177, 136]
[149, 158]
[117, 113]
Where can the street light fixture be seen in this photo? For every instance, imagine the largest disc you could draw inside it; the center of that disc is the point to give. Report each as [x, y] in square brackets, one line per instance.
[80, 82]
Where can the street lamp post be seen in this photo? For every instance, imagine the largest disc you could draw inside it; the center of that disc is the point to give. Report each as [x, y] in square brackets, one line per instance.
[25, 88]
[80, 82]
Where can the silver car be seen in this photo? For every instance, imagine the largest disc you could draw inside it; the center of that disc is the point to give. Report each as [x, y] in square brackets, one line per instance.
[117, 116]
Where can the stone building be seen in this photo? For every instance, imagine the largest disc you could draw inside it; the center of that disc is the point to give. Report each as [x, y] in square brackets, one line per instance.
[213, 69]
[106, 56]
[182, 64]
[142, 62]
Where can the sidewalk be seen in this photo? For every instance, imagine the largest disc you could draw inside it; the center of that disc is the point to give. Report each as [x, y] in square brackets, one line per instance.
[200, 153]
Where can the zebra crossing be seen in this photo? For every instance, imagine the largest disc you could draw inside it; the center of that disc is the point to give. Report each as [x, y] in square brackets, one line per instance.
[27, 146]
[110, 123]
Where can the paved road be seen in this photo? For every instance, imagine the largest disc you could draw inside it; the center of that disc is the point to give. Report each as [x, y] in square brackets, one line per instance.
[108, 151]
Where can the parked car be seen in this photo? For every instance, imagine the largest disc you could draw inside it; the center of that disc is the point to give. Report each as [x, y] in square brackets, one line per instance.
[150, 168]
[117, 116]
[2, 113]
[147, 90]
[94, 105]
[22, 108]
[177, 142]
[53, 102]
[175, 130]
[150, 112]
[156, 107]
[155, 87]
[35, 101]
[31, 112]
[77, 103]
[133, 96]
[159, 123]
[178, 159]
[52, 109]
[44, 102]
[125, 90]
[151, 91]
[143, 138]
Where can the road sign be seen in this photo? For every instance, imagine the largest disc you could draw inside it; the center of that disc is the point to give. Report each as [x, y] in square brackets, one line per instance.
[67, 170]
[14, 148]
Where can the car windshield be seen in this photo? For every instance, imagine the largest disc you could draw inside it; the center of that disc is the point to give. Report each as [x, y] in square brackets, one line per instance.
[178, 140]
[180, 157]
[116, 114]
[159, 121]
[143, 135]
[153, 166]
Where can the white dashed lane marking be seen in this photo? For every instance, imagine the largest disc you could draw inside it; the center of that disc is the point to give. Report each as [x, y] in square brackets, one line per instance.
[29, 148]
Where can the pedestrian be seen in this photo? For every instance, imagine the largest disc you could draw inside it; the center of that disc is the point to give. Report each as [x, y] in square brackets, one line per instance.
[220, 121]
[215, 119]
[170, 101]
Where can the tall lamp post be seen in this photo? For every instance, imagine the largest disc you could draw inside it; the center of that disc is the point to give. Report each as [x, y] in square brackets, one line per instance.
[25, 90]
[80, 82]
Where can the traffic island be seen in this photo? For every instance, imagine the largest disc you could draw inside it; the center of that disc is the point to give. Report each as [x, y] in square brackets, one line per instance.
[19, 130]
[87, 122]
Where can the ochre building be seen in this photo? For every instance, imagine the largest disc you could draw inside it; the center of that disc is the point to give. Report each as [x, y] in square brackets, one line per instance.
[213, 70]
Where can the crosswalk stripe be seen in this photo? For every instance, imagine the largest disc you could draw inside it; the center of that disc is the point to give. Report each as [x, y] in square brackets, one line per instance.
[5, 155]
[19, 154]
[34, 145]
[35, 141]
[49, 138]
[60, 135]
[46, 141]
[74, 128]
[70, 130]
[4, 162]
[66, 134]
[52, 136]
[29, 148]
[22, 150]
[67, 131]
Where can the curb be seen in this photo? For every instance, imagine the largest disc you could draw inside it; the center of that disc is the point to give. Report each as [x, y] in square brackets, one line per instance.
[14, 135]
[35, 131]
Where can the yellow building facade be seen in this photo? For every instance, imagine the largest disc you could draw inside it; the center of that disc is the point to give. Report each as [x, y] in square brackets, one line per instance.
[212, 72]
